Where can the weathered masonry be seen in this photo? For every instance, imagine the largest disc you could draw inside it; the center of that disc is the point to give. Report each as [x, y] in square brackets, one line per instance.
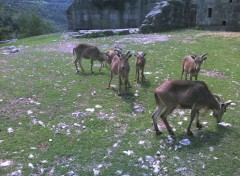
[216, 14]
[154, 15]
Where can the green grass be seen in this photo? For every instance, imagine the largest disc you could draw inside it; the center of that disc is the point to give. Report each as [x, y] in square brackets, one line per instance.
[40, 91]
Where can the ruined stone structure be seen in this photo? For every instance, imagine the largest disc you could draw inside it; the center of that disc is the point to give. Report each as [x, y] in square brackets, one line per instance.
[85, 14]
[216, 14]
[154, 15]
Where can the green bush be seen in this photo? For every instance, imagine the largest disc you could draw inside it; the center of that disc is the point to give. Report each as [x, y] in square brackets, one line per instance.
[5, 32]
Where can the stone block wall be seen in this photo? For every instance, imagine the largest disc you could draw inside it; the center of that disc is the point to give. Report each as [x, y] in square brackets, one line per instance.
[83, 14]
[218, 14]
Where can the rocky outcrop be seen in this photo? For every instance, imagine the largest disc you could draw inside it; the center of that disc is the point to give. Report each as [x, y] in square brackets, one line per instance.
[167, 15]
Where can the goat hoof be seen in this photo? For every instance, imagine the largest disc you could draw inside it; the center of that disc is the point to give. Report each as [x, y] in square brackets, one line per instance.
[189, 133]
[158, 132]
[199, 125]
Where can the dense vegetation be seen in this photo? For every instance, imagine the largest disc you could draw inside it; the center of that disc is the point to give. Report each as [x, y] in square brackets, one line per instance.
[30, 18]
[56, 122]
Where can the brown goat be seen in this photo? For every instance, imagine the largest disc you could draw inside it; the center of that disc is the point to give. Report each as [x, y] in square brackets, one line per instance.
[112, 53]
[192, 65]
[89, 52]
[186, 94]
[140, 64]
[121, 67]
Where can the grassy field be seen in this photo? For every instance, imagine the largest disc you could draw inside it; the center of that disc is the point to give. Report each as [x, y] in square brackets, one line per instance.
[56, 122]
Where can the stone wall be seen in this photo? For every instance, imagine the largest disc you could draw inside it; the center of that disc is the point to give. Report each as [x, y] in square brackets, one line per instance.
[218, 14]
[156, 15]
[83, 14]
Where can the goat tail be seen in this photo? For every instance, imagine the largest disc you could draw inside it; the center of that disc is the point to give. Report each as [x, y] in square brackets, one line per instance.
[74, 51]
[157, 99]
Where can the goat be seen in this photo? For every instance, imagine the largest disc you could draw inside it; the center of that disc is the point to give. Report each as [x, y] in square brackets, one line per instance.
[121, 67]
[112, 53]
[140, 64]
[192, 65]
[186, 94]
[89, 52]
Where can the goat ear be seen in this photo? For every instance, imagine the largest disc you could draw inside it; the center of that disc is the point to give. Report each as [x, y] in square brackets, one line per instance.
[136, 54]
[144, 54]
[193, 57]
[204, 58]
[130, 55]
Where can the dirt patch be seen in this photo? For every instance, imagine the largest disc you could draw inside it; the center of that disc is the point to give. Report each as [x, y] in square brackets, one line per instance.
[214, 74]
[145, 39]
[18, 107]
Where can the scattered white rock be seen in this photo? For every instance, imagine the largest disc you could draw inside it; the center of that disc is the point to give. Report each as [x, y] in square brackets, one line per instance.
[98, 106]
[96, 171]
[30, 165]
[129, 152]
[180, 169]
[31, 156]
[10, 130]
[16, 173]
[44, 161]
[224, 124]
[211, 149]
[90, 110]
[141, 142]
[29, 112]
[6, 163]
[138, 108]
[185, 142]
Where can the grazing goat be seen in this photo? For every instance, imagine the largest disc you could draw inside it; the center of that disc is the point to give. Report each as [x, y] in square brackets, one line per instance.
[89, 52]
[121, 67]
[140, 64]
[112, 53]
[186, 94]
[192, 65]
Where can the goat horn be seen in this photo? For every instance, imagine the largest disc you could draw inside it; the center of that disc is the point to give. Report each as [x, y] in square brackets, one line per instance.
[194, 54]
[204, 54]
[217, 97]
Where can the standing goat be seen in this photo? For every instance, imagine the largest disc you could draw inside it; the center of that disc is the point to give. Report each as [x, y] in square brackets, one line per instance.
[186, 94]
[112, 53]
[140, 64]
[192, 65]
[89, 52]
[121, 67]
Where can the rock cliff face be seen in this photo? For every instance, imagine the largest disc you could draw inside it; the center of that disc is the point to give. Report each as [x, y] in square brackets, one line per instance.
[167, 15]
[84, 14]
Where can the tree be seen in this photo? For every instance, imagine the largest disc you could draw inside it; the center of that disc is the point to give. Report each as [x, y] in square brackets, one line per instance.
[33, 25]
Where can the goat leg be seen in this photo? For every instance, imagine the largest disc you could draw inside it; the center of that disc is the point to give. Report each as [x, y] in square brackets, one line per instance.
[143, 77]
[76, 62]
[92, 66]
[119, 85]
[111, 76]
[80, 64]
[154, 117]
[198, 124]
[193, 114]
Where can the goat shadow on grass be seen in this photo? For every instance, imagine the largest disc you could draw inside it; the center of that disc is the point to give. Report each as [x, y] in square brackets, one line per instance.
[204, 137]
[146, 84]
